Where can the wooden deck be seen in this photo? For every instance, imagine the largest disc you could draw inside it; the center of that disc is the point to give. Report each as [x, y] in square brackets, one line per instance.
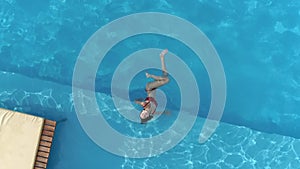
[46, 139]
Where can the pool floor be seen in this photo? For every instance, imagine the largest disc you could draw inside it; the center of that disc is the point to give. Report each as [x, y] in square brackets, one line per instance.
[230, 146]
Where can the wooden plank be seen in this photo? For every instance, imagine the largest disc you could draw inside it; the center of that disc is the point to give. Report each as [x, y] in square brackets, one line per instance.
[46, 144]
[46, 138]
[44, 149]
[49, 128]
[50, 122]
[36, 167]
[41, 165]
[43, 154]
[42, 159]
[48, 133]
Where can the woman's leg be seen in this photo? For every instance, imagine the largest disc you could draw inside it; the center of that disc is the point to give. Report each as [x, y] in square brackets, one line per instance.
[156, 77]
[159, 80]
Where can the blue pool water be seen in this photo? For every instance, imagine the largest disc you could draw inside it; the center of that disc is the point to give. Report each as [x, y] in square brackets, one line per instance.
[257, 41]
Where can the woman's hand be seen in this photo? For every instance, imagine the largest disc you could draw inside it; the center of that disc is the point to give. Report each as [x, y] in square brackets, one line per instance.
[137, 102]
[140, 103]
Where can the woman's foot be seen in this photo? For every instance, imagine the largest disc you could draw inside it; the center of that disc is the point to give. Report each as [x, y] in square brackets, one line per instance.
[163, 53]
[148, 75]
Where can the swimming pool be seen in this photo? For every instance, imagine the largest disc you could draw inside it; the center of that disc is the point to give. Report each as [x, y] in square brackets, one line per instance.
[258, 44]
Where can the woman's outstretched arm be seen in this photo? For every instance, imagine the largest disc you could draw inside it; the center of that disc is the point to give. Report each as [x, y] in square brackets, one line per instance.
[167, 112]
[142, 103]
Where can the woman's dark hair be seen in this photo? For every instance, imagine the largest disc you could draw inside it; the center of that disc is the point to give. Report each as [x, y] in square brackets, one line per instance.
[144, 121]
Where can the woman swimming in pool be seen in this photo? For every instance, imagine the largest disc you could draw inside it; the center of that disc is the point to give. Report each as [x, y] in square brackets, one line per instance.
[150, 104]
